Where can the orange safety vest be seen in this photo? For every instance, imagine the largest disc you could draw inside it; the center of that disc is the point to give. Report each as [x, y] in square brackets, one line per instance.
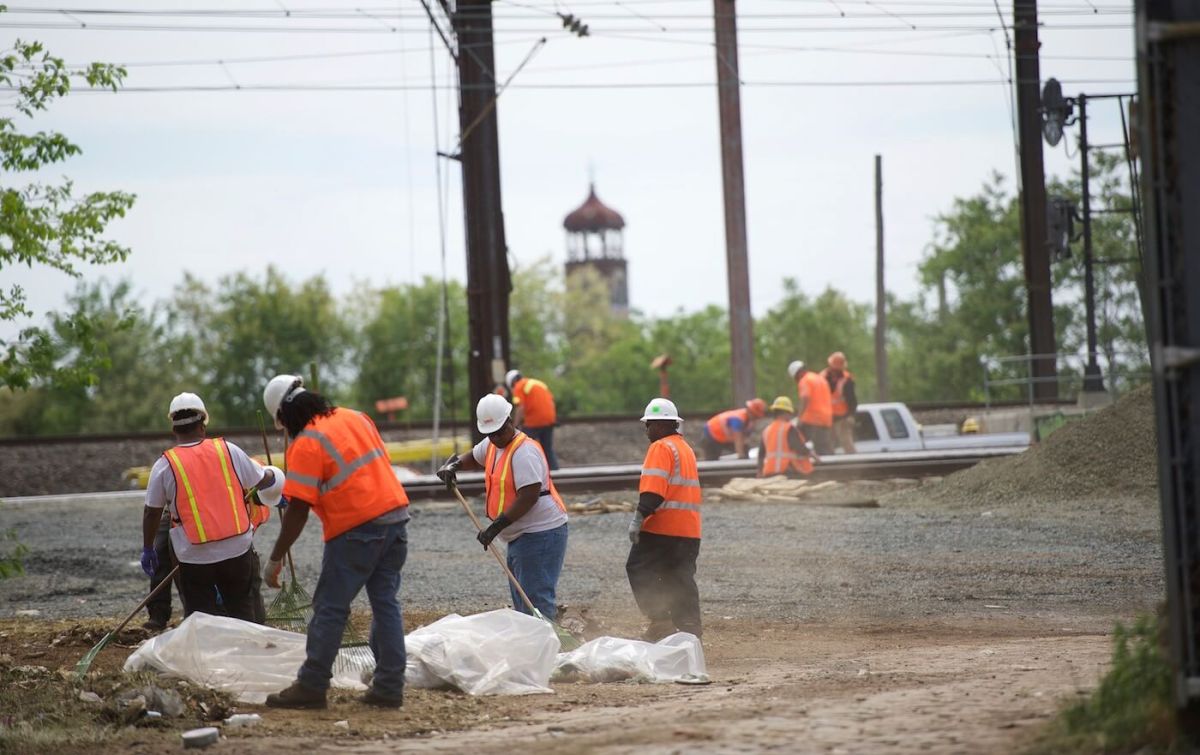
[670, 471]
[537, 400]
[499, 483]
[780, 457]
[718, 426]
[838, 401]
[208, 493]
[340, 467]
[819, 408]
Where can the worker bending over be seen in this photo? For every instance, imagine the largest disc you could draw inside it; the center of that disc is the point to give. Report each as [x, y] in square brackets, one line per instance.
[339, 468]
[665, 531]
[203, 481]
[843, 400]
[534, 411]
[783, 449]
[731, 430]
[815, 407]
[526, 511]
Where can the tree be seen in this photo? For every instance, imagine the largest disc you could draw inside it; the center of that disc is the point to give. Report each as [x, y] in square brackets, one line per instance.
[45, 224]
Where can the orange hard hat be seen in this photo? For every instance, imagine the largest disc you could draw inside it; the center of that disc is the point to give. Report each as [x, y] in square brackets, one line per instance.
[837, 360]
[757, 407]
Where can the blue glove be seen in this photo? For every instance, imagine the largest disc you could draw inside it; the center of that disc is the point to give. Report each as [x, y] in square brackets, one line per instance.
[149, 561]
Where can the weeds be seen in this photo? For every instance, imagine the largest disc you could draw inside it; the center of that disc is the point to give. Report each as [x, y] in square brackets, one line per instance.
[12, 562]
[1132, 707]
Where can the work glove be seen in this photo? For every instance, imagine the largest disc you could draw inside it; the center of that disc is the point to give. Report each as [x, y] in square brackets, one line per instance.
[447, 473]
[485, 537]
[635, 527]
[149, 561]
[271, 573]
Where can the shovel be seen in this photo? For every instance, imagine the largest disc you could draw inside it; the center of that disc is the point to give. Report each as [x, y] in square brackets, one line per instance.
[566, 640]
[85, 663]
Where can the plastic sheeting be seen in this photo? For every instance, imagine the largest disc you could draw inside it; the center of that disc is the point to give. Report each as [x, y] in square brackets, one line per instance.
[247, 660]
[495, 653]
[678, 657]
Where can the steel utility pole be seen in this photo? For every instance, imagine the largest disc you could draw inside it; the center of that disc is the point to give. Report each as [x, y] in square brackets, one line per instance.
[488, 282]
[741, 323]
[1034, 245]
[881, 371]
[1092, 378]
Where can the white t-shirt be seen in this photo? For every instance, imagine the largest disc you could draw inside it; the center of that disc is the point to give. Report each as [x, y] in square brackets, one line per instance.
[528, 468]
[160, 491]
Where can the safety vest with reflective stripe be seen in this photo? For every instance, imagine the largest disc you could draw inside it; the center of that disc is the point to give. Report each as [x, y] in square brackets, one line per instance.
[208, 493]
[837, 397]
[670, 471]
[819, 409]
[340, 467]
[718, 426]
[779, 456]
[499, 483]
[535, 398]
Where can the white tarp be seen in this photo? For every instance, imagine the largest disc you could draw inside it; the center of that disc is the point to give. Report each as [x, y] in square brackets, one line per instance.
[495, 653]
[247, 660]
[678, 657]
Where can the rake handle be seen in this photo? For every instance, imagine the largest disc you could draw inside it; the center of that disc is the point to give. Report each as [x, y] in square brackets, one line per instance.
[166, 582]
[496, 552]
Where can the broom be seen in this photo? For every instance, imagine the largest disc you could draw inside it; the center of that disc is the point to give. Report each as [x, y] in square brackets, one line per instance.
[85, 662]
[566, 640]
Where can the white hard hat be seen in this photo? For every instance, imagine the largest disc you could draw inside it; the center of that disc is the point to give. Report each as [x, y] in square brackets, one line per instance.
[279, 389]
[186, 401]
[271, 495]
[491, 412]
[795, 367]
[511, 377]
[661, 408]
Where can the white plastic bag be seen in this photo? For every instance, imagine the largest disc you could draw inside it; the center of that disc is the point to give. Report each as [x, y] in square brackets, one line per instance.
[612, 659]
[247, 660]
[495, 653]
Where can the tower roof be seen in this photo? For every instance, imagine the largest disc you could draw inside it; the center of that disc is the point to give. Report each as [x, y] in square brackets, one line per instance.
[593, 215]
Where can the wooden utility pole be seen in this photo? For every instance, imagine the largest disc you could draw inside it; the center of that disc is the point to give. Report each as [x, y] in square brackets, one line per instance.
[1035, 248]
[741, 323]
[488, 281]
[881, 370]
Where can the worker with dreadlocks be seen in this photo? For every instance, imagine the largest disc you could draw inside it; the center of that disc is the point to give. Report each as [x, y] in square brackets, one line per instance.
[665, 531]
[527, 513]
[202, 481]
[339, 468]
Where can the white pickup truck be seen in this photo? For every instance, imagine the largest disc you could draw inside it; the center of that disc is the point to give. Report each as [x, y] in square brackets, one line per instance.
[891, 427]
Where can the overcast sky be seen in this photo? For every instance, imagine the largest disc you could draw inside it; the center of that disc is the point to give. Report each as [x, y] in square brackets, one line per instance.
[343, 183]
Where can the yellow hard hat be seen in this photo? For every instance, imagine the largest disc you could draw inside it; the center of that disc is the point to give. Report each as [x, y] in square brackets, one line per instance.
[970, 425]
[783, 404]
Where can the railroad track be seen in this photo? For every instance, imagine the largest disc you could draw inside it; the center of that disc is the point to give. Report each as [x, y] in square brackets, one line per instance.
[625, 476]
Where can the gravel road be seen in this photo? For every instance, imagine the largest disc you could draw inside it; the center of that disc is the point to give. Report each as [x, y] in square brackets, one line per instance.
[792, 562]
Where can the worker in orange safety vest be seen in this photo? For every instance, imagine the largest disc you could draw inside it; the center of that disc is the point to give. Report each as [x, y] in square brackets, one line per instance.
[202, 483]
[527, 512]
[731, 430]
[843, 400]
[534, 411]
[815, 406]
[783, 449]
[339, 468]
[665, 531]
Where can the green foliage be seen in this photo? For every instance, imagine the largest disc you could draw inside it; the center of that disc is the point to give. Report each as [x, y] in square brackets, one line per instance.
[12, 562]
[45, 224]
[1132, 707]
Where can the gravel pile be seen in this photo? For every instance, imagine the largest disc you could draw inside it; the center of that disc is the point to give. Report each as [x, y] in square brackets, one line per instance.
[1108, 456]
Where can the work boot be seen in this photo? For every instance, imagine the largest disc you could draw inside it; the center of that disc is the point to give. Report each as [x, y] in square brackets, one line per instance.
[658, 629]
[154, 625]
[297, 696]
[373, 697]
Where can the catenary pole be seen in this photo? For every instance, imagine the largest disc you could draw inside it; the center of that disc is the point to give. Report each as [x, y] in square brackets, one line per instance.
[881, 370]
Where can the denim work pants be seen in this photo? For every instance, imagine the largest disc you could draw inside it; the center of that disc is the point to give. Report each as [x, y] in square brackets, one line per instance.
[370, 555]
[545, 437]
[536, 560]
[662, 574]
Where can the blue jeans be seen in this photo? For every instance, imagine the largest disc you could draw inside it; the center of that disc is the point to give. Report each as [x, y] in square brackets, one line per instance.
[545, 437]
[371, 556]
[536, 560]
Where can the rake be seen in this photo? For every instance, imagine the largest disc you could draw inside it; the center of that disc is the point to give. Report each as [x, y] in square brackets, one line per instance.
[85, 662]
[565, 639]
